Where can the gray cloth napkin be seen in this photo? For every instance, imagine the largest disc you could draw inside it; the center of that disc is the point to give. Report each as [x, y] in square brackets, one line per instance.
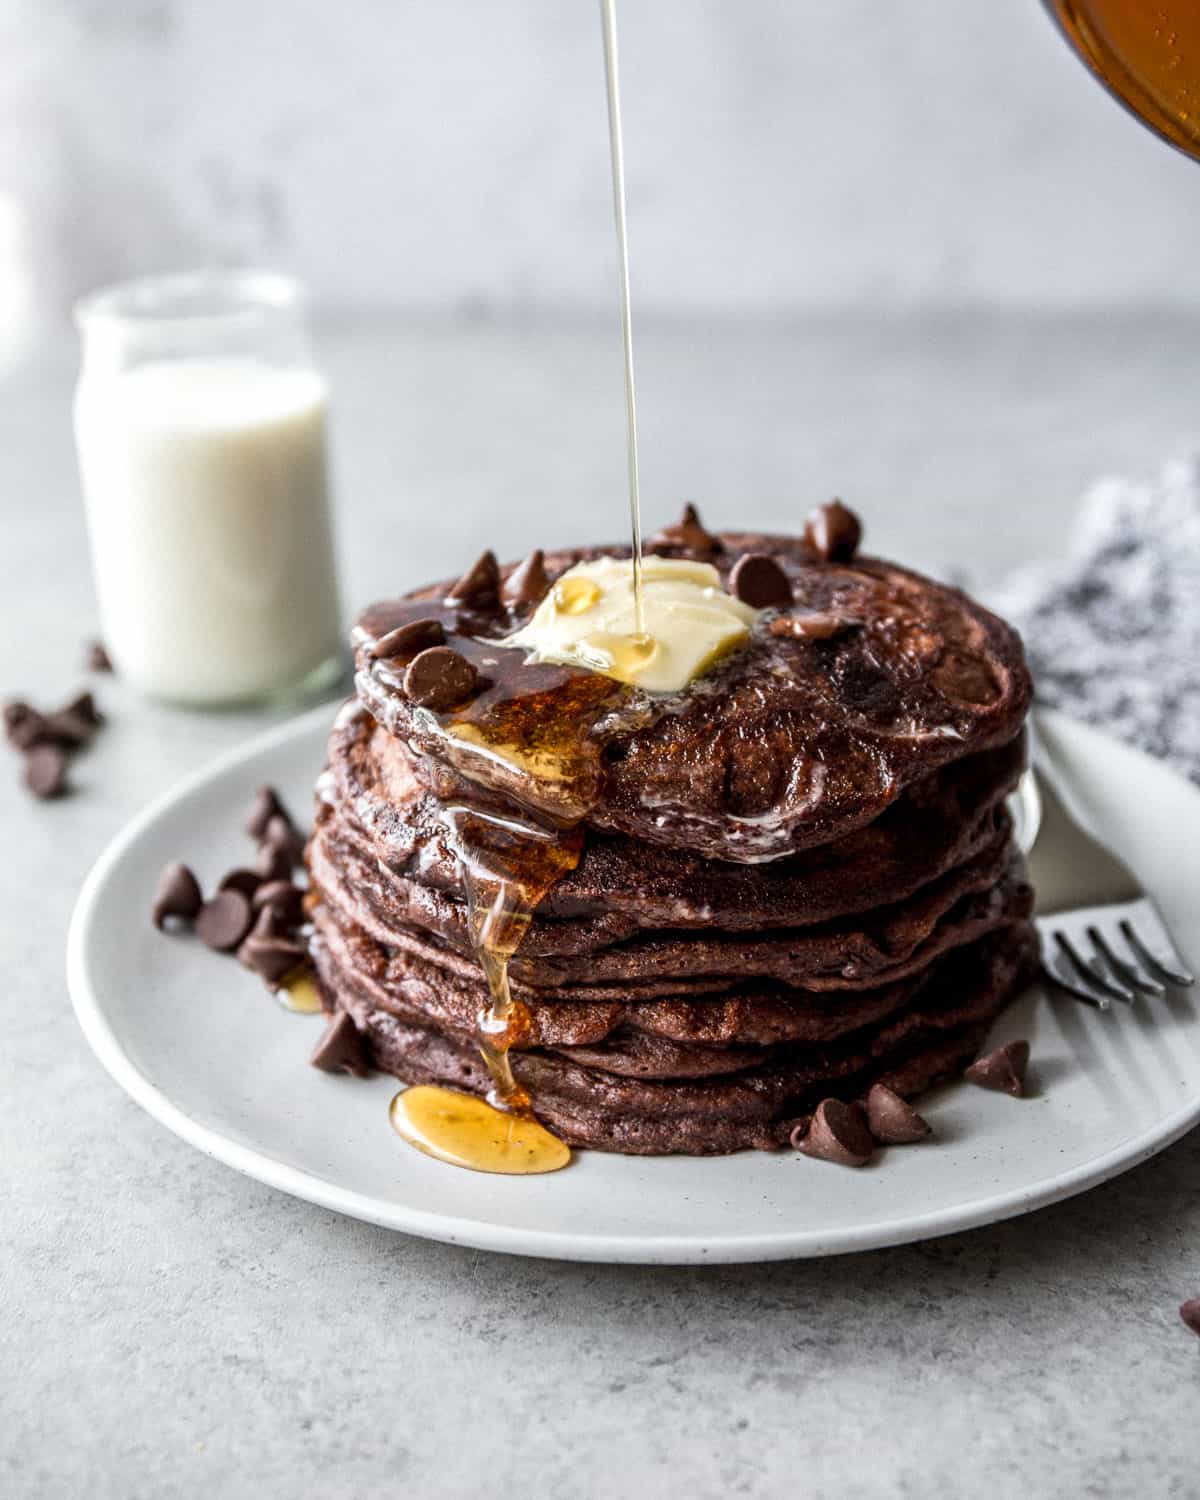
[1113, 633]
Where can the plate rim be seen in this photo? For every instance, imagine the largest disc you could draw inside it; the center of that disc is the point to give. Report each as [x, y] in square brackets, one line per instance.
[641, 1249]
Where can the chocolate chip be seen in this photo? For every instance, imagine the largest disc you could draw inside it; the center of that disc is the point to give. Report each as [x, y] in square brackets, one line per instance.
[69, 730]
[270, 954]
[407, 640]
[22, 724]
[1189, 1311]
[687, 533]
[272, 863]
[96, 657]
[282, 834]
[833, 532]
[1002, 1070]
[341, 1049]
[283, 898]
[759, 581]
[46, 771]
[245, 882]
[839, 1133]
[266, 805]
[479, 587]
[812, 627]
[528, 583]
[439, 678]
[892, 1120]
[178, 895]
[83, 706]
[224, 921]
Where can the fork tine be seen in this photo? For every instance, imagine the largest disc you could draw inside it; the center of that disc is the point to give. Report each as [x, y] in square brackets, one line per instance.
[1088, 972]
[1169, 964]
[1136, 978]
[1060, 971]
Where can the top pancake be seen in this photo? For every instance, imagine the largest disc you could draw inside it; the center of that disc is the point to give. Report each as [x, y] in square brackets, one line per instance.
[787, 744]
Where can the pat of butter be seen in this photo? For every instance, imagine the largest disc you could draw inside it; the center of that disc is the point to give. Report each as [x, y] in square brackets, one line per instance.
[588, 620]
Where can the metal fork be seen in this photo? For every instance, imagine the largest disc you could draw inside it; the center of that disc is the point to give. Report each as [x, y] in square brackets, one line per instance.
[1109, 943]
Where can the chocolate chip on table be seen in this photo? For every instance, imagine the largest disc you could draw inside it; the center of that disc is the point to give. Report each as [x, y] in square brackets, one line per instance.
[1189, 1311]
[479, 587]
[341, 1049]
[687, 533]
[245, 881]
[178, 895]
[815, 626]
[439, 678]
[96, 657]
[407, 640]
[1002, 1070]
[892, 1120]
[67, 728]
[224, 921]
[528, 583]
[266, 805]
[45, 772]
[23, 724]
[759, 581]
[838, 1133]
[833, 532]
[283, 898]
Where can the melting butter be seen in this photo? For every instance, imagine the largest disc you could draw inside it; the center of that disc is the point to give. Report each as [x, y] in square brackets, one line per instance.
[588, 619]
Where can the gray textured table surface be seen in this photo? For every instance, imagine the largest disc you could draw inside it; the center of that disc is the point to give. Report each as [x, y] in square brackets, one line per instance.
[170, 1328]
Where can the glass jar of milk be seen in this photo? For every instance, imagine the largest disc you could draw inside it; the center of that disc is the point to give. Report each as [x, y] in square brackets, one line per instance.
[200, 422]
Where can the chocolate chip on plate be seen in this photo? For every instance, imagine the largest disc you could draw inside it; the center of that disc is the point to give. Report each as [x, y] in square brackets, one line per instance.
[266, 805]
[407, 640]
[892, 1120]
[838, 1133]
[687, 533]
[96, 657]
[282, 834]
[1189, 1311]
[224, 921]
[178, 895]
[46, 771]
[1002, 1070]
[833, 532]
[283, 898]
[439, 678]
[341, 1049]
[479, 587]
[272, 956]
[759, 581]
[816, 626]
[246, 882]
[272, 863]
[528, 583]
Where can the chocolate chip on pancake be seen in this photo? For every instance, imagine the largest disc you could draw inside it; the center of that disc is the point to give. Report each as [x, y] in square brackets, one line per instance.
[224, 921]
[439, 678]
[833, 532]
[838, 1133]
[178, 896]
[479, 586]
[892, 1119]
[1002, 1070]
[341, 1049]
[45, 771]
[812, 627]
[688, 534]
[406, 640]
[759, 581]
[526, 586]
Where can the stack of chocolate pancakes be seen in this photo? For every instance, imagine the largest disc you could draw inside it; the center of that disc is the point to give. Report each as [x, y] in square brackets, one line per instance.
[789, 880]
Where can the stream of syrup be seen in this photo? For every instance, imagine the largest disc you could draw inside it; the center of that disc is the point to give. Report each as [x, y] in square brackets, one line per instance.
[510, 861]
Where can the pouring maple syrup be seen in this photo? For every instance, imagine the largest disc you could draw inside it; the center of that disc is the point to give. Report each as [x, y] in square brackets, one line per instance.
[510, 863]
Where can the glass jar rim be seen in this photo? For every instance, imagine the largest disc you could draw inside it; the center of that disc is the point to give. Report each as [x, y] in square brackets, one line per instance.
[191, 298]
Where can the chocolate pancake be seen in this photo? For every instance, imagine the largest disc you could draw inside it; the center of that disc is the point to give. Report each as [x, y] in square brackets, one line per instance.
[757, 1106]
[789, 743]
[624, 885]
[567, 953]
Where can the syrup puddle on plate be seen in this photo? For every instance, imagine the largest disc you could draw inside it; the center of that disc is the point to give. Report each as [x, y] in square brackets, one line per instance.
[469, 1132]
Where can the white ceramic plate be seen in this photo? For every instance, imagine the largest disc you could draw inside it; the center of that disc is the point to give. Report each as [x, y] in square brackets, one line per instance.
[196, 1041]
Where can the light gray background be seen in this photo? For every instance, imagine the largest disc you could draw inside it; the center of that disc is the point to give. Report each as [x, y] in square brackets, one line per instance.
[901, 250]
